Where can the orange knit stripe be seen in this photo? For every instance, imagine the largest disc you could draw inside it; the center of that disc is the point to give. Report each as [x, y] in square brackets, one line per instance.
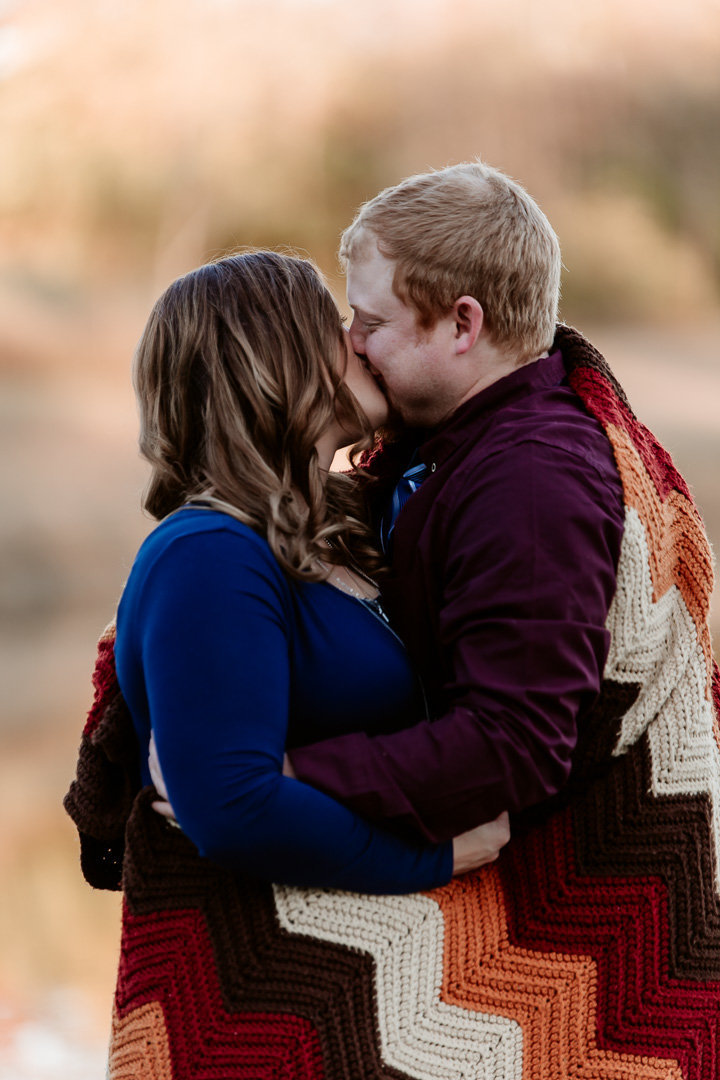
[553, 997]
[673, 527]
[139, 1048]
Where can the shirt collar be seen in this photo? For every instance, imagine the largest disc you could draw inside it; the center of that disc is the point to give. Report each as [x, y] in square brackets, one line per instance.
[440, 443]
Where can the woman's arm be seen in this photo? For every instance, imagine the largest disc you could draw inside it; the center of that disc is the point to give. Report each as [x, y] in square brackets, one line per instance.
[471, 849]
[211, 625]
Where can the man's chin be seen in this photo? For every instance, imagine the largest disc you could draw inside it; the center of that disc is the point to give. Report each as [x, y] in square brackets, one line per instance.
[394, 424]
[395, 417]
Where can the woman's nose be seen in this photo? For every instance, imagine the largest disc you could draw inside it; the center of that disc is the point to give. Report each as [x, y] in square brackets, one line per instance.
[357, 337]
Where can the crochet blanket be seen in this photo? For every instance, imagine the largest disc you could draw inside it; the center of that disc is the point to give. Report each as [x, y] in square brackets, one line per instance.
[590, 950]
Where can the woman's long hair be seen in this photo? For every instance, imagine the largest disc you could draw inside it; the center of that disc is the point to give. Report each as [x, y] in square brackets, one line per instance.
[236, 376]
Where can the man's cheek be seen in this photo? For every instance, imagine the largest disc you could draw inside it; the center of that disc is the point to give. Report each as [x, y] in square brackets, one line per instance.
[376, 359]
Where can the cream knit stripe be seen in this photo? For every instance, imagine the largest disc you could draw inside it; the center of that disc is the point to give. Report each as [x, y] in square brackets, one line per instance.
[655, 644]
[419, 1034]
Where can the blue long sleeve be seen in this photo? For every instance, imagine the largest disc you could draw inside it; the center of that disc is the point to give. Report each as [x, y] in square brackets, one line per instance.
[206, 634]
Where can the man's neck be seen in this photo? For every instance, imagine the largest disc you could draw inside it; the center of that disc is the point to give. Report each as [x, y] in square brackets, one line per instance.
[494, 365]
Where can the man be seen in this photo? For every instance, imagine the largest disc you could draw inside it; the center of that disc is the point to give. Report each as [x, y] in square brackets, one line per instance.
[504, 561]
[551, 577]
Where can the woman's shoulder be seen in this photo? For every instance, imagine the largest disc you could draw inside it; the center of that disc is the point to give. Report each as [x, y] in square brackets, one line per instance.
[201, 521]
[208, 544]
[199, 572]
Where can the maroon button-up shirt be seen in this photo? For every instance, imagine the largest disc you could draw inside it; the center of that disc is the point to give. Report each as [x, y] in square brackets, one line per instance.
[504, 568]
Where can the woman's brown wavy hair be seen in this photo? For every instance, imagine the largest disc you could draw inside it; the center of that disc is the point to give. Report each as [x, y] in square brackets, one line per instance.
[236, 376]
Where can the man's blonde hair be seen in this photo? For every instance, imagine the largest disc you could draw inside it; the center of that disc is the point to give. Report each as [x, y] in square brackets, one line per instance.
[468, 230]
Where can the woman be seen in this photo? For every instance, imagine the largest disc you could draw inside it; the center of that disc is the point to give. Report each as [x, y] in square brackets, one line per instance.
[249, 623]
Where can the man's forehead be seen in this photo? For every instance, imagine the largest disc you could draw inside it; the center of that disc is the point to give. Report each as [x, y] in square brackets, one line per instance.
[370, 280]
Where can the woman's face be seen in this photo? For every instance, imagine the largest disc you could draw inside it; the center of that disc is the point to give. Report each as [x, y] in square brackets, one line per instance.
[363, 387]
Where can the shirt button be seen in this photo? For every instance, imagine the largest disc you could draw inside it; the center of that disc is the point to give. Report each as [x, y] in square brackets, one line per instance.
[433, 467]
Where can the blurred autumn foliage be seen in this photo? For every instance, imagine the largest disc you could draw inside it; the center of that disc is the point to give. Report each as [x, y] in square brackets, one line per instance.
[141, 137]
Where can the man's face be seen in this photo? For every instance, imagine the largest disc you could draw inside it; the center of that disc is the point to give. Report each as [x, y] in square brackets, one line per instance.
[412, 365]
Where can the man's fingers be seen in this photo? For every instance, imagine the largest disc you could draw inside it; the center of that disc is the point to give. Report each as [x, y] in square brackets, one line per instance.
[163, 808]
[154, 767]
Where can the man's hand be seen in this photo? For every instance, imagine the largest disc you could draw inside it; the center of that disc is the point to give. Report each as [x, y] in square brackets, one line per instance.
[480, 845]
[162, 805]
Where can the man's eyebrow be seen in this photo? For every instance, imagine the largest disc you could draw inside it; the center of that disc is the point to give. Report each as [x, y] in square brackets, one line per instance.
[365, 315]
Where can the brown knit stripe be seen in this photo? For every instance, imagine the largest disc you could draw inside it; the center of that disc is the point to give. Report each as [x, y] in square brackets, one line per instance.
[578, 353]
[552, 996]
[260, 967]
[622, 830]
[139, 1047]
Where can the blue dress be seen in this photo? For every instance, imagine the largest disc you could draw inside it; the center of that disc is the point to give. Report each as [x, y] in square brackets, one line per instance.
[229, 661]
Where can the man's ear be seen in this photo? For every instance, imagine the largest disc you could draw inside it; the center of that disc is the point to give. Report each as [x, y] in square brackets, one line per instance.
[468, 317]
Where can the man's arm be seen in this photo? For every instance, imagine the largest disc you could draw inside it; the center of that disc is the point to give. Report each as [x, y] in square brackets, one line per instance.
[531, 547]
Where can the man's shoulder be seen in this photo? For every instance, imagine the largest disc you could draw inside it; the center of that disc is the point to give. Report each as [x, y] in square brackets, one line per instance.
[557, 454]
[556, 419]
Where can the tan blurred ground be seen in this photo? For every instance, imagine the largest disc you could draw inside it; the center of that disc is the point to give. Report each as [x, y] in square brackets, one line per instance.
[141, 138]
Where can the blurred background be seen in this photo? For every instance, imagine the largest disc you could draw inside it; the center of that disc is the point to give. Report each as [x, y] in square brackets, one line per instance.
[138, 139]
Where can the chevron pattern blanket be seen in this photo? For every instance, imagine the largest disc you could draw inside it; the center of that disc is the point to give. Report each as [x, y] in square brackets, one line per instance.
[589, 951]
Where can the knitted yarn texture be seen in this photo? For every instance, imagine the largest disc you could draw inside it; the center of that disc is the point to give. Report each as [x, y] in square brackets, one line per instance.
[589, 951]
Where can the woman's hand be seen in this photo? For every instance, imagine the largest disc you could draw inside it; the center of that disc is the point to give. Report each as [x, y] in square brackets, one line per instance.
[480, 845]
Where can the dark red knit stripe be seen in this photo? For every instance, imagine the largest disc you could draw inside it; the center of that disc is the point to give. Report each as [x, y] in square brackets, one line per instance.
[105, 684]
[592, 378]
[623, 923]
[596, 392]
[168, 958]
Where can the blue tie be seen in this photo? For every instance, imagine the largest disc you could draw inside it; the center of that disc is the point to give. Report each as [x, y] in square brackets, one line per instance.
[406, 486]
